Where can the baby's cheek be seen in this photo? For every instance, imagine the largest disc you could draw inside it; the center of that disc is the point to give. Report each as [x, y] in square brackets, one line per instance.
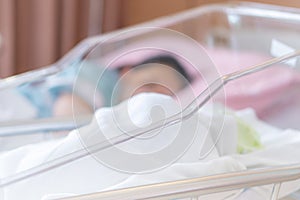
[65, 103]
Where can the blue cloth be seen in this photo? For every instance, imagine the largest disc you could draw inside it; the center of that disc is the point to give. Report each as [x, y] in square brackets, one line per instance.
[43, 94]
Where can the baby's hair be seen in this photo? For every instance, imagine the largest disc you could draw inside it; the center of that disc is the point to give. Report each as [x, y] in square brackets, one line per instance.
[169, 61]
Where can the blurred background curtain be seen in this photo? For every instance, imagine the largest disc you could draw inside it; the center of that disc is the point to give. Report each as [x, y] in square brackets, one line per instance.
[36, 33]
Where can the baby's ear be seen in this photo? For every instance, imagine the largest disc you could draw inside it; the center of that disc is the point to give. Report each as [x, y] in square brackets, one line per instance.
[124, 70]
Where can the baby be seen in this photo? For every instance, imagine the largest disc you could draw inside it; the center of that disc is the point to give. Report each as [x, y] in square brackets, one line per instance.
[160, 74]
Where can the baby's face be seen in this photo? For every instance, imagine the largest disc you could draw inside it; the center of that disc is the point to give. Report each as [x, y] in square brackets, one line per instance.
[152, 77]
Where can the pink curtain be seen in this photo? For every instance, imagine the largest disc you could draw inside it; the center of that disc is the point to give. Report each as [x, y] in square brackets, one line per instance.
[36, 33]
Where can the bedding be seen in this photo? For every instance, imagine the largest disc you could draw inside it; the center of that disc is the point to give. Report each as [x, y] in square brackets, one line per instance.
[96, 173]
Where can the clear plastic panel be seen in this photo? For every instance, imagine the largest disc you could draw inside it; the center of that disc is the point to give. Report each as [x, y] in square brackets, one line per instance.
[208, 42]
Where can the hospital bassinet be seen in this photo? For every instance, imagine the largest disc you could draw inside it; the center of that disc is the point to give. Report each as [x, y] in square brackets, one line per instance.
[236, 31]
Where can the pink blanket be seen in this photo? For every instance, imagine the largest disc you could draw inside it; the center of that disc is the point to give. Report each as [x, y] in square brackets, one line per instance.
[263, 91]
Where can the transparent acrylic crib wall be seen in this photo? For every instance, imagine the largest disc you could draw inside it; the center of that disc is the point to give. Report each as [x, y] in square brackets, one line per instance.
[235, 26]
[238, 27]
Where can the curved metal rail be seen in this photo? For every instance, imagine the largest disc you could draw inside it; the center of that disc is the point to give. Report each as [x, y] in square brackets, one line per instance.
[202, 186]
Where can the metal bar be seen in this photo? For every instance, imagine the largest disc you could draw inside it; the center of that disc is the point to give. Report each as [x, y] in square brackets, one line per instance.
[73, 55]
[201, 186]
[275, 191]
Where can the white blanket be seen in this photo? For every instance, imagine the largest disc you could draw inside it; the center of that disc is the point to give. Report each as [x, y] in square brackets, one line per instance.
[94, 174]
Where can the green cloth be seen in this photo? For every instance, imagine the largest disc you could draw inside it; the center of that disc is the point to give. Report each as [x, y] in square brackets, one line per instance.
[248, 138]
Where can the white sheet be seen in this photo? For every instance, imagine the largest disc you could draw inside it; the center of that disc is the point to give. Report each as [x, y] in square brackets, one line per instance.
[89, 175]
[14, 106]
